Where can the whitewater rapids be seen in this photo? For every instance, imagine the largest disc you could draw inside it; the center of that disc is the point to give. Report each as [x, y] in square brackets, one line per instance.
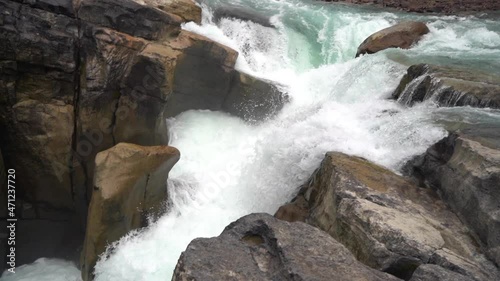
[229, 168]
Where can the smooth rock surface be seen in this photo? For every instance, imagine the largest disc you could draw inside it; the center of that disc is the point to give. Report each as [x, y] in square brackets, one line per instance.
[260, 247]
[465, 169]
[385, 221]
[129, 186]
[448, 86]
[402, 35]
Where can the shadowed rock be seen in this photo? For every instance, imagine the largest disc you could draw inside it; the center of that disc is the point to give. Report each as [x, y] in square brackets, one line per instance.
[465, 169]
[448, 86]
[260, 247]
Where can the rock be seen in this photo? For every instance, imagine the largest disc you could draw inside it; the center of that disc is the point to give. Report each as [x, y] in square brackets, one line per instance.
[465, 169]
[129, 185]
[430, 272]
[426, 6]
[205, 78]
[253, 99]
[188, 10]
[244, 14]
[402, 35]
[448, 86]
[260, 247]
[130, 17]
[385, 221]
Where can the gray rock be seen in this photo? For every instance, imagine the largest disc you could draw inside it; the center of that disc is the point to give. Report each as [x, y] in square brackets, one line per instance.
[465, 169]
[233, 11]
[448, 86]
[386, 221]
[260, 247]
[430, 272]
[402, 35]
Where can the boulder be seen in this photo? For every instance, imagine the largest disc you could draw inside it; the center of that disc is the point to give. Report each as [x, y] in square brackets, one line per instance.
[402, 35]
[431, 6]
[129, 186]
[260, 247]
[448, 86]
[188, 10]
[465, 169]
[387, 222]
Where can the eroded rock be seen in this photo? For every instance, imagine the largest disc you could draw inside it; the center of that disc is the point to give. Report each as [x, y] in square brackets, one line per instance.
[387, 222]
[129, 185]
[448, 86]
[260, 247]
[402, 35]
[465, 169]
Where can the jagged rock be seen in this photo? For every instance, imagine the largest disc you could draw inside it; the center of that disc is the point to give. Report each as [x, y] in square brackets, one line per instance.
[129, 185]
[387, 222]
[448, 86]
[433, 6]
[260, 247]
[130, 17]
[430, 272]
[465, 169]
[402, 35]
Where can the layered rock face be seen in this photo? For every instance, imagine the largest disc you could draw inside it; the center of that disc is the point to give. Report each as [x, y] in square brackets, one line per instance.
[387, 222]
[260, 247]
[448, 86]
[78, 77]
[465, 169]
[129, 186]
[402, 35]
[433, 6]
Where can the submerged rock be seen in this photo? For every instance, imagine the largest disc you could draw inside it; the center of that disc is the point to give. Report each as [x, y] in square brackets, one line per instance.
[448, 86]
[465, 169]
[233, 11]
[402, 35]
[260, 247]
[385, 221]
[129, 186]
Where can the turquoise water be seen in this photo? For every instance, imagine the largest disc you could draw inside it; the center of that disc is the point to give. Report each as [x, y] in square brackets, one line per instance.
[229, 168]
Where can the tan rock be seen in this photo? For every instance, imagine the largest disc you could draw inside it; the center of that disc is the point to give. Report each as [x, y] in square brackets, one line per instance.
[402, 35]
[129, 185]
[387, 222]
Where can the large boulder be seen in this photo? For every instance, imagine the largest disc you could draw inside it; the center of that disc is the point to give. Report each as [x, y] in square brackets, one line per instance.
[386, 221]
[129, 186]
[188, 10]
[432, 6]
[448, 86]
[465, 169]
[402, 35]
[260, 247]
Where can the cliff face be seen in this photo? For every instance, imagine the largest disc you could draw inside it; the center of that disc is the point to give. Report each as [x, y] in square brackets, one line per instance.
[78, 77]
[432, 6]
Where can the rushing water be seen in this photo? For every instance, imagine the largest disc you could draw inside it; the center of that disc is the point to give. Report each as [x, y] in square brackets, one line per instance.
[229, 168]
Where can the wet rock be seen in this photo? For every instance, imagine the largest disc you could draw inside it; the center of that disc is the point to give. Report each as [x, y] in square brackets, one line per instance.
[448, 86]
[260, 247]
[402, 35]
[385, 221]
[130, 17]
[129, 185]
[465, 169]
[188, 10]
[235, 12]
